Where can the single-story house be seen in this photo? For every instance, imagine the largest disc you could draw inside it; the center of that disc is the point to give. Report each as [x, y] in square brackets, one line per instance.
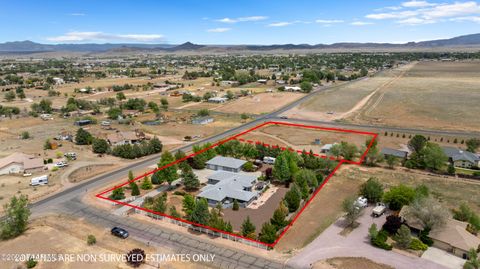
[293, 89]
[326, 148]
[401, 154]
[217, 100]
[225, 187]
[123, 138]
[225, 163]
[20, 163]
[202, 120]
[232, 83]
[461, 158]
[453, 237]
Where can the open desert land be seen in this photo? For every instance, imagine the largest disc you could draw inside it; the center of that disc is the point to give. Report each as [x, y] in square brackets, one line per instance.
[53, 235]
[259, 103]
[344, 99]
[433, 94]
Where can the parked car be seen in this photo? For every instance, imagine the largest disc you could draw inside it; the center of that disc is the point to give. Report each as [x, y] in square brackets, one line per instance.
[61, 164]
[71, 155]
[119, 232]
[379, 209]
[361, 202]
[283, 117]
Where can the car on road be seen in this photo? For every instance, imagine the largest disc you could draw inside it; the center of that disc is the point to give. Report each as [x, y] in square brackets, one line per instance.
[119, 232]
[283, 117]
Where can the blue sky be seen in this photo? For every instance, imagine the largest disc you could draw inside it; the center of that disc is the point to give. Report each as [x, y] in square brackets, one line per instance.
[235, 22]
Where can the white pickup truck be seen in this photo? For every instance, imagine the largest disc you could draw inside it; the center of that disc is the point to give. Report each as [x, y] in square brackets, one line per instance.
[379, 209]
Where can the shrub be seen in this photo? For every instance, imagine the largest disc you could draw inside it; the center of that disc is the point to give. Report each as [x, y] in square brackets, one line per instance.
[380, 241]
[136, 257]
[248, 167]
[416, 244]
[91, 240]
[55, 168]
[392, 224]
[181, 193]
[423, 236]
[235, 206]
[30, 263]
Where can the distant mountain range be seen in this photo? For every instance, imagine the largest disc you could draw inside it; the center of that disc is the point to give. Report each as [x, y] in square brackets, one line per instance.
[472, 40]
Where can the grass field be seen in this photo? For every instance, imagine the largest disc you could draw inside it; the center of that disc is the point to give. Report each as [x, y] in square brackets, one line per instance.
[441, 95]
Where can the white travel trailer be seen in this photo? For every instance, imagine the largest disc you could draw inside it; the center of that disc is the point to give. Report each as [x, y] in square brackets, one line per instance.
[268, 160]
[41, 180]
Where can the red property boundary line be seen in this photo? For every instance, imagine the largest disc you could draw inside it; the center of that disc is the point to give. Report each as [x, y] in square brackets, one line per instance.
[236, 137]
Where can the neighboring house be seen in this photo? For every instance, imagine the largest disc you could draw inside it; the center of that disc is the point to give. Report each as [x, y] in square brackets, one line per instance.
[202, 120]
[20, 163]
[123, 138]
[453, 237]
[225, 187]
[326, 148]
[401, 154]
[217, 100]
[225, 164]
[293, 89]
[232, 83]
[461, 158]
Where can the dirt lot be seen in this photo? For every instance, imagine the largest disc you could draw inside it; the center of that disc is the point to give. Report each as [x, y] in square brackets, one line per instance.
[49, 235]
[349, 263]
[322, 211]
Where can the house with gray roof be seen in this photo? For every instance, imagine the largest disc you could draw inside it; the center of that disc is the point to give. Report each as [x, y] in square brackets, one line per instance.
[401, 154]
[224, 187]
[461, 158]
[225, 164]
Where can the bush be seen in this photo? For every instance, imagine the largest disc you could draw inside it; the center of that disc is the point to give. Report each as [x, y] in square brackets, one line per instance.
[248, 167]
[392, 224]
[423, 236]
[416, 244]
[91, 240]
[380, 240]
[235, 206]
[136, 257]
[30, 263]
[54, 169]
[181, 193]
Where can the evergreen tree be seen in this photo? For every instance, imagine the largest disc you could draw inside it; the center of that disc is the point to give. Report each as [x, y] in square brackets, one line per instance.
[188, 204]
[293, 198]
[83, 137]
[200, 213]
[160, 203]
[268, 234]
[235, 206]
[134, 188]
[168, 174]
[404, 236]
[248, 229]
[190, 180]
[146, 183]
[16, 217]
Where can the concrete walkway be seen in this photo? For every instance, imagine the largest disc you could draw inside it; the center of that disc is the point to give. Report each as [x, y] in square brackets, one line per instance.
[356, 244]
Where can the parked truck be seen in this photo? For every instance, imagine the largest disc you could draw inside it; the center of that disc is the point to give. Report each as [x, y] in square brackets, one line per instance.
[379, 209]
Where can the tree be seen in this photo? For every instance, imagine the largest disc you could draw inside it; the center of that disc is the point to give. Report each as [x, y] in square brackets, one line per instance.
[188, 204]
[16, 217]
[306, 86]
[168, 174]
[372, 190]
[203, 112]
[146, 183]
[230, 95]
[428, 211]
[293, 198]
[10, 96]
[100, 146]
[373, 155]
[278, 219]
[403, 237]
[434, 157]
[164, 103]
[391, 161]
[134, 188]
[417, 143]
[248, 228]
[281, 170]
[190, 180]
[200, 213]
[473, 261]
[472, 144]
[120, 96]
[160, 203]
[114, 112]
[451, 169]
[352, 211]
[399, 196]
[130, 175]
[235, 206]
[154, 107]
[268, 234]
[307, 176]
[348, 151]
[174, 213]
[83, 137]
[117, 194]
[392, 224]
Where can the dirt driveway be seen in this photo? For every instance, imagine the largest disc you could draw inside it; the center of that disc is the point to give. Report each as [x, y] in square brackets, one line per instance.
[356, 244]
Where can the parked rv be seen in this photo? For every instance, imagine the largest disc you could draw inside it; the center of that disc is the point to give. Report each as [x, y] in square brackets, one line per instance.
[41, 180]
[268, 160]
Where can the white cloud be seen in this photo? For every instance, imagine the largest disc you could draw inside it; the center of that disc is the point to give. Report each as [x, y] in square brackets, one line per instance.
[218, 30]
[242, 19]
[280, 24]
[328, 21]
[100, 36]
[360, 23]
[469, 18]
[423, 12]
[415, 3]
[77, 14]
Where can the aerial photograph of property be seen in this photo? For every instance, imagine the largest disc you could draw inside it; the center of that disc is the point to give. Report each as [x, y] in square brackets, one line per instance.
[240, 134]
